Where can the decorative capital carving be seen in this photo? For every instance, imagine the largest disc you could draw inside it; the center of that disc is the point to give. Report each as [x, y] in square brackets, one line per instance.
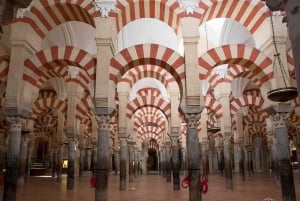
[123, 141]
[279, 119]
[189, 5]
[103, 122]
[192, 119]
[105, 6]
[15, 122]
[174, 140]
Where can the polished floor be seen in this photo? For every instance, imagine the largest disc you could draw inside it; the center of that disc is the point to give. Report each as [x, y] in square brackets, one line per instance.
[153, 188]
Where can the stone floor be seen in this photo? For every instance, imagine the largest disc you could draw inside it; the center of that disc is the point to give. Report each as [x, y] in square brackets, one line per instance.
[153, 188]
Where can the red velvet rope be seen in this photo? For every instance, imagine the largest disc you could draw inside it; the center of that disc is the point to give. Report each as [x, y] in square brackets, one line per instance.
[185, 182]
[203, 187]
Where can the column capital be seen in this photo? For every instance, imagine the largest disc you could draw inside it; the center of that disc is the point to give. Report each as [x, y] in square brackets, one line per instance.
[226, 138]
[103, 122]
[16, 122]
[192, 119]
[123, 141]
[174, 140]
[279, 119]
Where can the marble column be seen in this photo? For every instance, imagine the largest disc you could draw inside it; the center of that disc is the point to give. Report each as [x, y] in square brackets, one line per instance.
[283, 154]
[103, 152]
[227, 161]
[60, 152]
[28, 163]
[204, 158]
[258, 154]
[81, 161]
[241, 159]
[123, 161]
[163, 160]
[13, 156]
[117, 160]
[168, 162]
[25, 138]
[71, 161]
[87, 159]
[53, 158]
[131, 160]
[220, 154]
[250, 161]
[136, 162]
[175, 163]
[193, 156]
[275, 161]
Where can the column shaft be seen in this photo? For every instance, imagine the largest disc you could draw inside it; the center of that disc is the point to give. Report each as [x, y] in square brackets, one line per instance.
[284, 161]
[193, 158]
[13, 155]
[71, 163]
[227, 163]
[123, 161]
[103, 152]
[175, 161]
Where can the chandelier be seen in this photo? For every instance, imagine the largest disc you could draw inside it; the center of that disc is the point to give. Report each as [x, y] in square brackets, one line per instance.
[285, 93]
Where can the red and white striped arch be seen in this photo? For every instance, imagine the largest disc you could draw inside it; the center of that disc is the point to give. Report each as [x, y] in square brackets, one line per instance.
[149, 92]
[240, 71]
[149, 110]
[43, 104]
[251, 14]
[139, 121]
[153, 101]
[50, 121]
[43, 65]
[294, 119]
[251, 58]
[255, 117]
[84, 108]
[146, 136]
[46, 14]
[258, 131]
[291, 65]
[245, 100]
[47, 93]
[148, 71]
[213, 106]
[3, 70]
[167, 11]
[151, 54]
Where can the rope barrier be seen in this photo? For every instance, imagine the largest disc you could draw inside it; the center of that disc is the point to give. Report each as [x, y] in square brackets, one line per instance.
[203, 185]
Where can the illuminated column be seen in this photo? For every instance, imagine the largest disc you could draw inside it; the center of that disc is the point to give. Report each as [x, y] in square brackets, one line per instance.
[75, 91]
[204, 142]
[103, 151]
[13, 157]
[123, 161]
[193, 156]
[283, 153]
[81, 153]
[71, 160]
[131, 159]
[227, 134]
[175, 162]
[25, 139]
[239, 139]
[168, 161]
[257, 148]
[220, 154]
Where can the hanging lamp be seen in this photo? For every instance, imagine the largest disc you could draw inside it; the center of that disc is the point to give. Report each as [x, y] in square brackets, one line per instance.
[285, 93]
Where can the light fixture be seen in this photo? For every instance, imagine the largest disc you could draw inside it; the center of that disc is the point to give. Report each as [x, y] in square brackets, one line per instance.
[285, 93]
